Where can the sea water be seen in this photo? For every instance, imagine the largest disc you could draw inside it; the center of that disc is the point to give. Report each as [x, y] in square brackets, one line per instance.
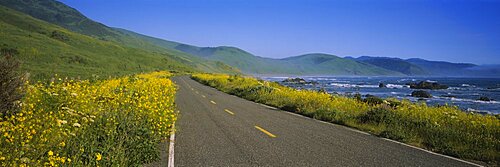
[462, 92]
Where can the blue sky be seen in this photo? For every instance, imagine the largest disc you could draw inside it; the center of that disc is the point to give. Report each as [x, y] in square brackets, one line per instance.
[452, 30]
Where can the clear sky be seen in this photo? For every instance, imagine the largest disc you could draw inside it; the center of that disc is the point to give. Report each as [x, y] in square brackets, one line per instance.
[449, 30]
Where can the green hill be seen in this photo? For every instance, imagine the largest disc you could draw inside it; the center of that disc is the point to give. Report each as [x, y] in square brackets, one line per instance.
[318, 63]
[46, 49]
[393, 64]
[309, 64]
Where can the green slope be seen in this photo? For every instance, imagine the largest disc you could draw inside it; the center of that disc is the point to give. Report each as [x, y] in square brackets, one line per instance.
[60, 14]
[393, 64]
[318, 63]
[46, 49]
[310, 64]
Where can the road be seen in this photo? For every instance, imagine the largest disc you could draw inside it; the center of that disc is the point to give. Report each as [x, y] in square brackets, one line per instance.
[217, 129]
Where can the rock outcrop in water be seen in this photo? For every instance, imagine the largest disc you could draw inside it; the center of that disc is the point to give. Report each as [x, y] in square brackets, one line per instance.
[382, 85]
[297, 81]
[421, 94]
[484, 98]
[427, 85]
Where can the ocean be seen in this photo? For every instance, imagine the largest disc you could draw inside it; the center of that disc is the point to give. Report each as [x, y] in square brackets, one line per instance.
[462, 92]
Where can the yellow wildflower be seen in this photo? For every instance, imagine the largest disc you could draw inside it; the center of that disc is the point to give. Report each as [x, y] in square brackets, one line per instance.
[76, 124]
[50, 153]
[98, 156]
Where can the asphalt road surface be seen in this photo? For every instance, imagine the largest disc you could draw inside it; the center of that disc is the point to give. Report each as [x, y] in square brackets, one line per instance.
[217, 129]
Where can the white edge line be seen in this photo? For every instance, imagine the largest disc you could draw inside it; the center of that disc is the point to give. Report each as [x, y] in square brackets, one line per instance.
[171, 148]
[274, 108]
[397, 142]
[446, 156]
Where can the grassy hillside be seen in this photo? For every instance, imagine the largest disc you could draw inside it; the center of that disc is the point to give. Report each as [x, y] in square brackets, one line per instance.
[310, 64]
[333, 65]
[393, 64]
[46, 49]
[60, 14]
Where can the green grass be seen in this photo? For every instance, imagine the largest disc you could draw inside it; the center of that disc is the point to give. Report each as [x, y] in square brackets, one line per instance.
[443, 129]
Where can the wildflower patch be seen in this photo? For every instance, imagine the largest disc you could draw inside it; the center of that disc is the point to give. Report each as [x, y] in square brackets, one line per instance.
[90, 123]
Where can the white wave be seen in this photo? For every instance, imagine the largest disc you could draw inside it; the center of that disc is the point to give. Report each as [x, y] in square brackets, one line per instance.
[397, 86]
[367, 86]
[341, 85]
[353, 85]
[478, 111]
[323, 79]
[469, 100]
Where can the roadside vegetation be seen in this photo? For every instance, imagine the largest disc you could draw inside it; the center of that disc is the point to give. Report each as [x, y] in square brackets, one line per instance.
[444, 129]
[65, 122]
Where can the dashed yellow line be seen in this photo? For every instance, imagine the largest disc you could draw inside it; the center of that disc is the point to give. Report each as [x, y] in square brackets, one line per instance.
[226, 110]
[192, 89]
[197, 92]
[265, 131]
[203, 96]
[213, 102]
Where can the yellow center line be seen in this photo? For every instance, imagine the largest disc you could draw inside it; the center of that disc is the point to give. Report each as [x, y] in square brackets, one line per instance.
[265, 131]
[213, 102]
[226, 110]
[192, 89]
[203, 96]
[197, 92]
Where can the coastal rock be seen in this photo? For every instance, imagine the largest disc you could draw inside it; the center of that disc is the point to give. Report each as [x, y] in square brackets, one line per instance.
[484, 98]
[382, 85]
[297, 81]
[427, 85]
[450, 96]
[294, 80]
[421, 93]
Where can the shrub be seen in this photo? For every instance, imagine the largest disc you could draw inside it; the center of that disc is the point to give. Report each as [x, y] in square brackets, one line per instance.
[10, 84]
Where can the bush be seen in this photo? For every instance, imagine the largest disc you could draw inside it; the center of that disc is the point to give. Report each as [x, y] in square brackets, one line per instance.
[10, 84]
[373, 100]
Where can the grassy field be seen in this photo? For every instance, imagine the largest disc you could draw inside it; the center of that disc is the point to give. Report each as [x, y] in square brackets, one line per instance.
[444, 129]
[117, 122]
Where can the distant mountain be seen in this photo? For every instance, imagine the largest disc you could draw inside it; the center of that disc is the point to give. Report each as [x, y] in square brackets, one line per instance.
[393, 64]
[421, 67]
[329, 64]
[309, 64]
[492, 70]
[442, 68]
